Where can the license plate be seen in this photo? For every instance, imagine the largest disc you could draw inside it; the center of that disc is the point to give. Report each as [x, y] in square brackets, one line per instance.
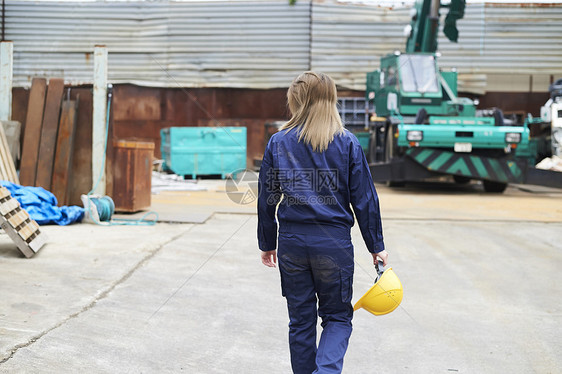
[463, 147]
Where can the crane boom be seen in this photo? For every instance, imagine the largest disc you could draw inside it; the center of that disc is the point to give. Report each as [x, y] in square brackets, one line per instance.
[422, 128]
[424, 26]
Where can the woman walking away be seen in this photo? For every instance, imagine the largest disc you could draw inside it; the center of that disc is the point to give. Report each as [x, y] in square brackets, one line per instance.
[315, 172]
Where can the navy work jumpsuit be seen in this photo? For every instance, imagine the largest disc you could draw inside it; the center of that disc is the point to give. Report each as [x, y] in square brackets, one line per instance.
[315, 192]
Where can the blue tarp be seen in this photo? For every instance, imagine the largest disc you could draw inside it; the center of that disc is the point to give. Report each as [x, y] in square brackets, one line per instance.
[42, 205]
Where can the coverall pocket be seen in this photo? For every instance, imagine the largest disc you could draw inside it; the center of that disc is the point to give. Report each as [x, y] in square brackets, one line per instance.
[283, 284]
[346, 285]
[285, 260]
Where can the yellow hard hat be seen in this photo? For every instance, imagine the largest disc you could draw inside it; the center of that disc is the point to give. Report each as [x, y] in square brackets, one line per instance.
[384, 296]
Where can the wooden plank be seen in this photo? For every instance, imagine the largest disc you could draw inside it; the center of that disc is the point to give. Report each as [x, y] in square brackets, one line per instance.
[33, 226]
[4, 175]
[4, 192]
[7, 157]
[9, 205]
[32, 132]
[18, 218]
[63, 153]
[5, 171]
[25, 232]
[49, 133]
[12, 130]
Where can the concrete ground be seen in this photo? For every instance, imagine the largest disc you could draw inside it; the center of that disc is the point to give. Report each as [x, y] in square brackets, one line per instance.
[481, 276]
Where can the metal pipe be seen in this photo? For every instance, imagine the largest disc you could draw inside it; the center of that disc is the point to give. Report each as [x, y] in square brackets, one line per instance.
[6, 76]
[99, 119]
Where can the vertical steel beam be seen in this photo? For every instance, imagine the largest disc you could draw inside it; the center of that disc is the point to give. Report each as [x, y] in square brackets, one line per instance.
[6, 73]
[434, 8]
[99, 120]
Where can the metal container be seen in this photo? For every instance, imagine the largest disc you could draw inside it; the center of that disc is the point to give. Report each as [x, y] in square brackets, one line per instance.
[132, 175]
[363, 138]
[197, 151]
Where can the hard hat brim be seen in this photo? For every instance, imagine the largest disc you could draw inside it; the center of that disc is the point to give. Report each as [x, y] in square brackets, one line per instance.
[384, 296]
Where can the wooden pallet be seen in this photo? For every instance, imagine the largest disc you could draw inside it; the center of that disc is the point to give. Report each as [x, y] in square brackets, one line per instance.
[15, 221]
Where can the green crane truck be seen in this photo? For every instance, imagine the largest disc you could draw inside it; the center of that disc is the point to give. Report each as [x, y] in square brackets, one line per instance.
[421, 128]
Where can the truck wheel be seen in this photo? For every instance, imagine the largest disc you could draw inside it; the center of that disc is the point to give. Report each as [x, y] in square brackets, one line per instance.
[461, 179]
[389, 153]
[389, 145]
[494, 187]
[395, 184]
[372, 155]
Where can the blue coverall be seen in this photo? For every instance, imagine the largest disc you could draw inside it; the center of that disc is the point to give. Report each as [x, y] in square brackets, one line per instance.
[315, 192]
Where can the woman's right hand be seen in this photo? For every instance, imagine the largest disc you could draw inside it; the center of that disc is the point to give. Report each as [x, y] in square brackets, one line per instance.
[382, 255]
[269, 258]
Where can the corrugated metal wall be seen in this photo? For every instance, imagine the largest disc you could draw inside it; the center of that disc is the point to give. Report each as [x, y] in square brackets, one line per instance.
[264, 44]
[348, 40]
[509, 46]
[494, 38]
[167, 44]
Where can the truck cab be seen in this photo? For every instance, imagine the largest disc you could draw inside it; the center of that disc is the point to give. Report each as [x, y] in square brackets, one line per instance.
[408, 82]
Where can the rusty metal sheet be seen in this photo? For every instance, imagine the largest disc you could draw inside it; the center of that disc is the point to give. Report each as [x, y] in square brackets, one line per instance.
[81, 170]
[130, 108]
[63, 153]
[32, 132]
[49, 133]
[20, 99]
[193, 107]
[511, 102]
[132, 175]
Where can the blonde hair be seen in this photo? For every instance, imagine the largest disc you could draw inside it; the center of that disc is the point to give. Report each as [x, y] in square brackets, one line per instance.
[312, 100]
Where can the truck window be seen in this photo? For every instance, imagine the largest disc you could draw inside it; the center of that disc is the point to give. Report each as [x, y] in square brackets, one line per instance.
[391, 77]
[417, 73]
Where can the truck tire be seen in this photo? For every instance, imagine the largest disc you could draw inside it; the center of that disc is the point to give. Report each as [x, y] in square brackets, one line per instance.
[494, 187]
[389, 144]
[372, 155]
[461, 179]
[389, 153]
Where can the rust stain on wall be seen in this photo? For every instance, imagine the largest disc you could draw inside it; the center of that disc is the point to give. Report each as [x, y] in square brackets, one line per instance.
[134, 104]
[141, 112]
[515, 101]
